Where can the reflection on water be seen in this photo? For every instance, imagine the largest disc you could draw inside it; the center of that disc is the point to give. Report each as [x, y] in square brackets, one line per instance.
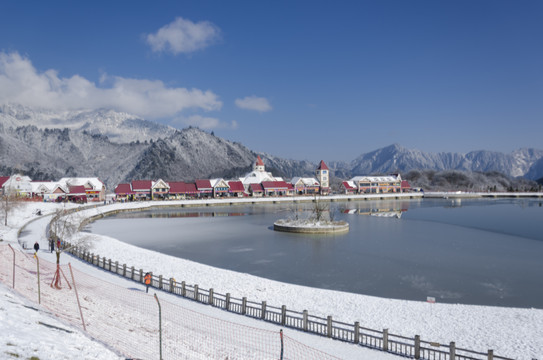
[174, 214]
[477, 251]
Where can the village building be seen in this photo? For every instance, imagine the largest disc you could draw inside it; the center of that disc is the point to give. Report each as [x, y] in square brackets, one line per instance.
[258, 175]
[220, 187]
[141, 189]
[204, 188]
[373, 184]
[275, 188]
[95, 189]
[235, 188]
[17, 185]
[323, 177]
[123, 192]
[305, 186]
[159, 190]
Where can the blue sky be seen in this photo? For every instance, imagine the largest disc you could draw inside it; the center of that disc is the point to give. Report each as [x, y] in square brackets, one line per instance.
[297, 79]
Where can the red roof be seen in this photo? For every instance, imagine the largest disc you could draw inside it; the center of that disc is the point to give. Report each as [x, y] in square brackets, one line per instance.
[347, 186]
[191, 188]
[256, 188]
[177, 187]
[203, 185]
[139, 185]
[259, 161]
[405, 185]
[3, 179]
[236, 186]
[274, 185]
[322, 166]
[123, 189]
[79, 189]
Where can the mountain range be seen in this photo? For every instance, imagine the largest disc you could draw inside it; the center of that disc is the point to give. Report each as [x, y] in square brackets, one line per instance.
[119, 147]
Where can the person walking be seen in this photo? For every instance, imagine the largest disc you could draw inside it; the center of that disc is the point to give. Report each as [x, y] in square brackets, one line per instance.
[36, 246]
[51, 244]
[147, 279]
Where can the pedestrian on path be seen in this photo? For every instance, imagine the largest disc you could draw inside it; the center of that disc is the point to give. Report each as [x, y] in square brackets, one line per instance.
[36, 246]
[51, 244]
[147, 280]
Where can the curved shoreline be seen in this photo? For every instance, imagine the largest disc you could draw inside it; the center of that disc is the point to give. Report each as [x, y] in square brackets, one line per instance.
[514, 331]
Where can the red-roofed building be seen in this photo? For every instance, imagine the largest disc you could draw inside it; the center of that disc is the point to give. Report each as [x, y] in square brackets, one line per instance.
[204, 188]
[191, 190]
[275, 188]
[323, 177]
[236, 188]
[178, 189]
[77, 193]
[349, 187]
[142, 189]
[405, 187]
[256, 190]
[123, 192]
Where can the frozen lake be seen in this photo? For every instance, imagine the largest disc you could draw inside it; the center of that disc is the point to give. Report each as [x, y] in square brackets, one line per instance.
[477, 251]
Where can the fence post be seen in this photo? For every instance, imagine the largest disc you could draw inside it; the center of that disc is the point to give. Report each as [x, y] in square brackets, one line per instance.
[417, 346]
[116, 267]
[304, 320]
[452, 350]
[160, 281]
[210, 302]
[133, 270]
[490, 354]
[124, 270]
[77, 297]
[196, 292]
[356, 332]
[171, 285]
[109, 262]
[385, 339]
[244, 305]
[329, 326]
[227, 306]
[159, 325]
[13, 265]
[183, 289]
[92, 259]
[141, 274]
[263, 315]
[283, 314]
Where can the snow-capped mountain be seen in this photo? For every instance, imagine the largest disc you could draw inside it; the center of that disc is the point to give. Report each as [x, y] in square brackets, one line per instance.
[119, 147]
[119, 127]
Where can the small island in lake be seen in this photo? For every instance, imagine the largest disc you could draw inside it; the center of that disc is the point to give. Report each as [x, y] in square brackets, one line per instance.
[321, 222]
[311, 227]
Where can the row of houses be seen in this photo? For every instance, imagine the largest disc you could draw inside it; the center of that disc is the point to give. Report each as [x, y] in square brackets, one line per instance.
[256, 183]
[66, 189]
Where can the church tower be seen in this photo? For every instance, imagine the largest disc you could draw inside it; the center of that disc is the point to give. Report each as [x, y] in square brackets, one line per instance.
[323, 177]
[259, 165]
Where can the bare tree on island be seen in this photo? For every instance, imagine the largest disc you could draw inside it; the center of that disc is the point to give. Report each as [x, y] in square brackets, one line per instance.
[62, 228]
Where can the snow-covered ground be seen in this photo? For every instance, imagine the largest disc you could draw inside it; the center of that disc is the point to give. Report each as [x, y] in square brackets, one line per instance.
[510, 332]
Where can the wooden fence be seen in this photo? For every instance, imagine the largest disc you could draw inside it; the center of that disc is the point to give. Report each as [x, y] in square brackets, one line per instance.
[413, 347]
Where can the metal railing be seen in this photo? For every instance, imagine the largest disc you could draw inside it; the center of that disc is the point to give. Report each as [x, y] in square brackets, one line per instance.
[412, 347]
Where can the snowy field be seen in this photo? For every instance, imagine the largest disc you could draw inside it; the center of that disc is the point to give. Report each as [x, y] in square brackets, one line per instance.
[510, 332]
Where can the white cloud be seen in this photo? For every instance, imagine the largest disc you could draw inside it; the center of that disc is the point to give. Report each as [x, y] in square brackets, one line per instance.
[21, 83]
[204, 122]
[254, 103]
[183, 36]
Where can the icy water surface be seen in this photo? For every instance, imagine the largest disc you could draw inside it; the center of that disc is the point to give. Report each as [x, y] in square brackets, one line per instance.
[483, 251]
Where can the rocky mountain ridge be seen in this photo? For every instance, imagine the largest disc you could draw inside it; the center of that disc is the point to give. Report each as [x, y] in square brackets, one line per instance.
[119, 147]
